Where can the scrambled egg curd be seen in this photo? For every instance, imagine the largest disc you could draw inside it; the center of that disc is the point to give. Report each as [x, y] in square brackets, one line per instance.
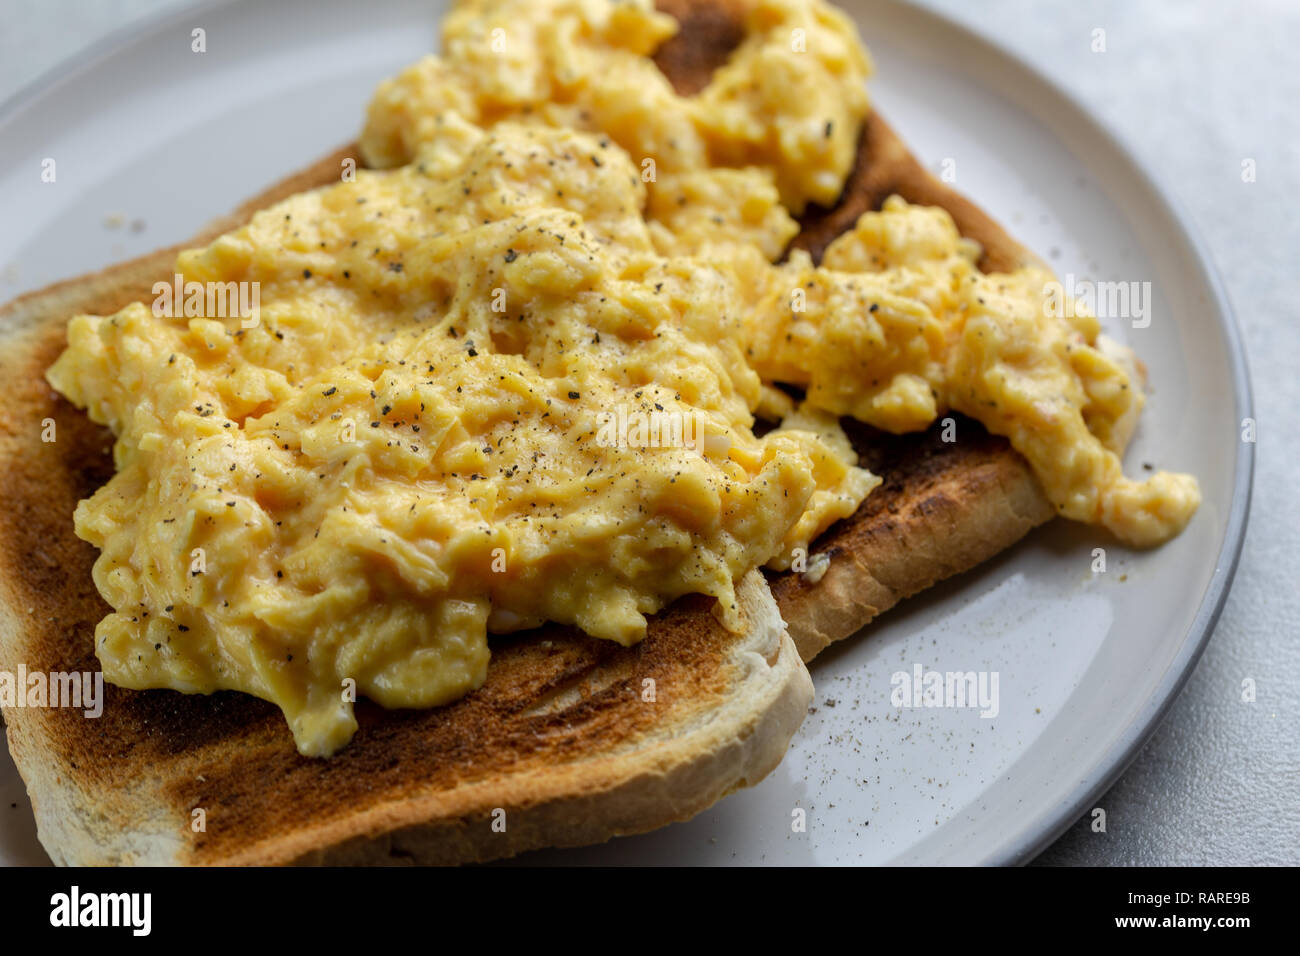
[419, 441]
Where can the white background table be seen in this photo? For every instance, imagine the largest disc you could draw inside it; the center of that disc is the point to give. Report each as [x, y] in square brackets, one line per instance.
[1196, 87]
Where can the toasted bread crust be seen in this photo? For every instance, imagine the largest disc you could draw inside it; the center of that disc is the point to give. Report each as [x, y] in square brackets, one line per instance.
[559, 737]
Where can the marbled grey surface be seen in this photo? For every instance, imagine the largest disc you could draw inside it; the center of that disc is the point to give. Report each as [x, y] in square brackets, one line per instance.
[1195, 87]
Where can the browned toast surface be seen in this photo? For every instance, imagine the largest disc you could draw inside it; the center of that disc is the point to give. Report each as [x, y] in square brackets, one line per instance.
[553, 698]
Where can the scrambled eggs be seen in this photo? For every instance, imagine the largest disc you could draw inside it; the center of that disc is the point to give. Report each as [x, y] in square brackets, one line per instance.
[410, 447]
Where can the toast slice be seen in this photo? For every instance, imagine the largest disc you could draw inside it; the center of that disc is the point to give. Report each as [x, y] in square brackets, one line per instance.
[574, 739]
[560, 737]
[942, 508]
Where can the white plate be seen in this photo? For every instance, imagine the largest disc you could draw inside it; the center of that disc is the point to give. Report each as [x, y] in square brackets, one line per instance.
[1087, 663]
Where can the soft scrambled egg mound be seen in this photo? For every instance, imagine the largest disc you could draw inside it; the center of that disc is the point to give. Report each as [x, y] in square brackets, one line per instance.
[512, 377]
